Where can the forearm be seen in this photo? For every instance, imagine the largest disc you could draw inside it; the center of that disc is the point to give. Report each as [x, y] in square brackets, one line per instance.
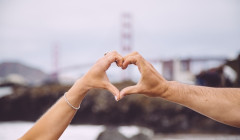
[221, 104]
[52, 124]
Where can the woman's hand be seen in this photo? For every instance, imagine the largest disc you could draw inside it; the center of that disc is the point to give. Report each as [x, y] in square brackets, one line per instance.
[96, 77]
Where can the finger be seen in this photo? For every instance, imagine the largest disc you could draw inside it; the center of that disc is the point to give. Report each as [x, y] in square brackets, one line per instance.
[113, 90]
[129, 90]
[119, 60]
[131, 58]
[128, 60]
[114, 57]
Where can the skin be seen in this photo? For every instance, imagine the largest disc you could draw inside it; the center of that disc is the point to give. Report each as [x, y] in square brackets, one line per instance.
[220, 104]
[53, 123]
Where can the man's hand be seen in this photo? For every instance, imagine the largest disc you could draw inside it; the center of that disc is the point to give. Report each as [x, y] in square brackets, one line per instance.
[151, 82]
[220, 104]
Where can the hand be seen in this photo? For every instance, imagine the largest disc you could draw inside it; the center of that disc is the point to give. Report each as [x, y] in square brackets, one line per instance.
[151, 82]
[96, 77]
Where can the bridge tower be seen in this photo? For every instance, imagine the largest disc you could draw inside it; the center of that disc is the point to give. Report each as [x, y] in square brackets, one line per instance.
[126, 40]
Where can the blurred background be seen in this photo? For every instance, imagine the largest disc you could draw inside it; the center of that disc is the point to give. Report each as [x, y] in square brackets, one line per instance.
[46, 45]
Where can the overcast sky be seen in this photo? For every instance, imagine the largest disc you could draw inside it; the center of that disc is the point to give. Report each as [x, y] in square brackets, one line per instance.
[85, 30]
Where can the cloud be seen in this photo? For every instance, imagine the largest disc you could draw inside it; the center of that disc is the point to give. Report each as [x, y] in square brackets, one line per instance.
[85, 30]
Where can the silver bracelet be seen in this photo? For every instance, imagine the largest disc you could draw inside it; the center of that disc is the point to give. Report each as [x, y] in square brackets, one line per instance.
[76, 108]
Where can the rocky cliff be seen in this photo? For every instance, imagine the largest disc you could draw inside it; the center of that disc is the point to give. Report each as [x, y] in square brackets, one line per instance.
[99, 107]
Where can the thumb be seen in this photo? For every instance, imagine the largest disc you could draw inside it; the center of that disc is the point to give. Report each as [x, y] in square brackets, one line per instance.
[129, 90]
[113, 90]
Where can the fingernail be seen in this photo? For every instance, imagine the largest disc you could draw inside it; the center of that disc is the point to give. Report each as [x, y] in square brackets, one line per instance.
[119, 99]
[116, 98]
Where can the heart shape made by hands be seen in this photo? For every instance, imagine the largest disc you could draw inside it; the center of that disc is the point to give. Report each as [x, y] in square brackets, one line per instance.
[150, 83]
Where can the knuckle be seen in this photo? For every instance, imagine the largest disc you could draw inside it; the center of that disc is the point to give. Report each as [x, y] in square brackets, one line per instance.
[138, 56]
[114, 52]
[118, 57]
[135, 53]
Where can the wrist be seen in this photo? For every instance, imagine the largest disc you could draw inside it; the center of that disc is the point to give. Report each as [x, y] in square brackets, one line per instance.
[166, 89]
[79, 88]
[175, 92]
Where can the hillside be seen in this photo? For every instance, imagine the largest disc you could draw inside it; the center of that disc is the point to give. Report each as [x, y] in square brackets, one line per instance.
[31, 75]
